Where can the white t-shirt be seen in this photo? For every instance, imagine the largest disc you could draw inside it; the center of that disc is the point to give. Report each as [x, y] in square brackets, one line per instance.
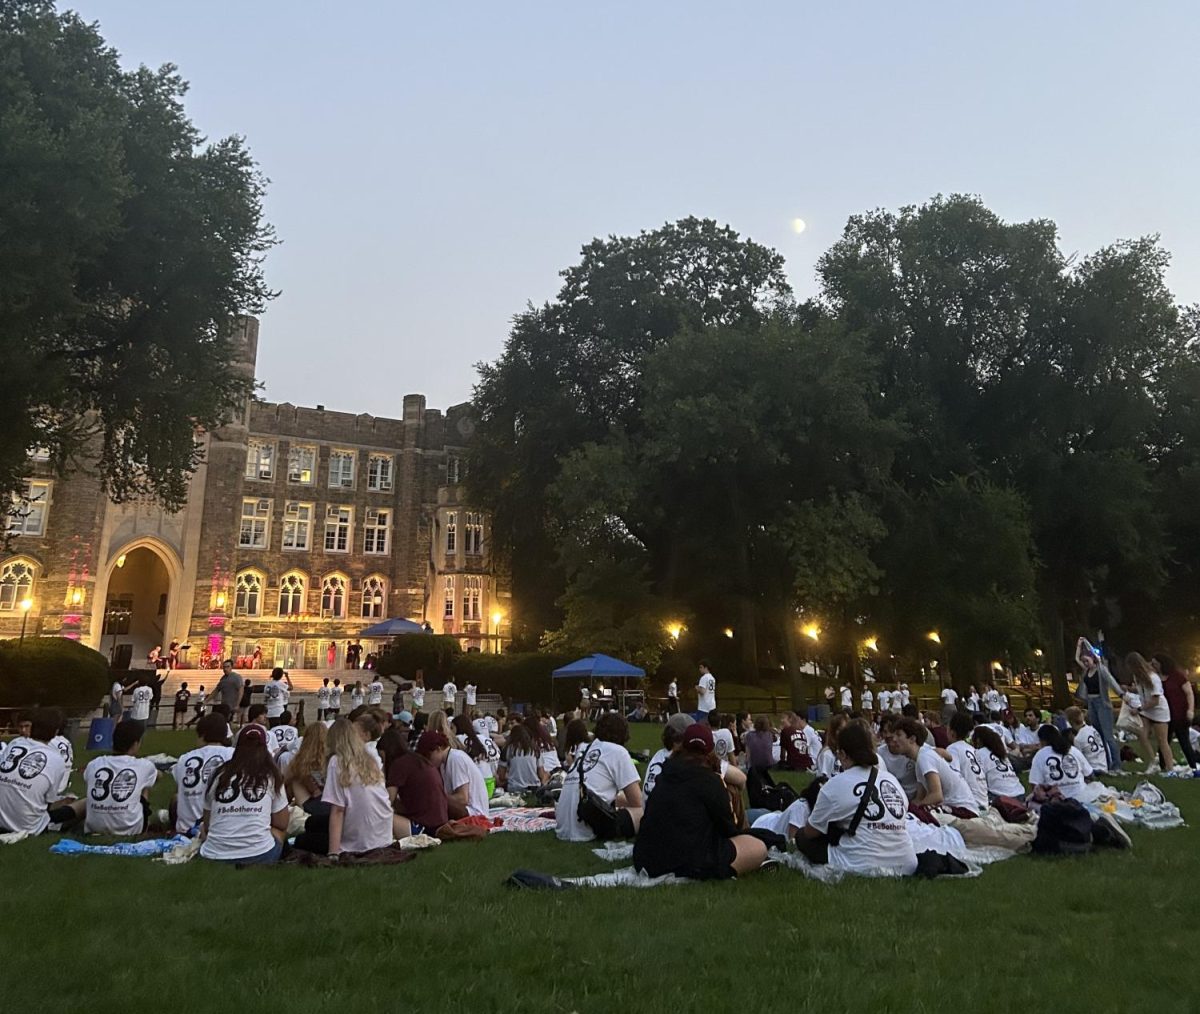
[490, 760]
[885, 700]
[653, 769]
[949, 695]
[192, 772]
[847, 698]
[1026, 736]
[239, 823]
[934, 838]
[142, 696]
[30, 773]
[449, 693]
[493, 725]
[368, 820]
[470, 690]
[1159, 711]
[356, 698]
[1001, 779]
[112, 787]
[881, 846]
[991, 700]
[115, 692]
[826, 762]
[786, 822]
[868, 699]
[1089, 743]
[418, 696]
[335, 697]
[973, 701]
[275, 697]
[67, 752]
[897, 700]
[1066, 773]
[607, 769]
[322, 697]
[459, 770]
[904, 696]
[971, 772]
[281, 739]
[552, 726]
[706, 693]
[374, 692]
[954, 789]
[522, 769]
[901, 768]
[549, 761]
[723, 744]
[672, 689]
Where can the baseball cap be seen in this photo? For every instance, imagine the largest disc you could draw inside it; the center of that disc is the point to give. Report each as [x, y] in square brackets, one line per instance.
[406, 717]
[253, 731]
[430, 741]
[679, 722]
[698, 738]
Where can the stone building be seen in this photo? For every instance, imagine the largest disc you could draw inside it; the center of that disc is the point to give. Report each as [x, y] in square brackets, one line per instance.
[302, 527]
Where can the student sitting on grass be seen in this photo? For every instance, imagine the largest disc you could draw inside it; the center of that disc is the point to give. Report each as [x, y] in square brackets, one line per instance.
[116, 787]
[246, 811]
[1001, 779]
[608, 773]
[688, 828]
[1087, 740]
[284, 735]
[672, 741]
[969, 768]
[304, 776]
[520, 770]
[881, 844]
[194, 770]
[470, 739]
[31, 772]
[827, 762]
[543, 742]
[414, 783]
[360, 815]
[1058, 768]
[939, 785]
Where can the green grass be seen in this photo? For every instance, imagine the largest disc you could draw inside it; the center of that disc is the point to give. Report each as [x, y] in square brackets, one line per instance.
[1112, 931]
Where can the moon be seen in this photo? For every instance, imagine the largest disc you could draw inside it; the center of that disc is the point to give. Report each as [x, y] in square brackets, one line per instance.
[798, 225]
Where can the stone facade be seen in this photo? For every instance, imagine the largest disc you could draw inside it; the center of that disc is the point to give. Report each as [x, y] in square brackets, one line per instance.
[302, 527]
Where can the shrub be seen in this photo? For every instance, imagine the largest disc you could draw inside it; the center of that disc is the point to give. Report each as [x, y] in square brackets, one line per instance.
[518, 676]
[52, 672]
[435, 654]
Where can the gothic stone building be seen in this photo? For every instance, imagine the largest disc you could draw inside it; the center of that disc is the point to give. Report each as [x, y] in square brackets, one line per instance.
[301, 528]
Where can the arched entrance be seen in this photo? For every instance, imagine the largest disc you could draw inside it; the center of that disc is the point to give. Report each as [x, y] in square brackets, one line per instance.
[137, 606]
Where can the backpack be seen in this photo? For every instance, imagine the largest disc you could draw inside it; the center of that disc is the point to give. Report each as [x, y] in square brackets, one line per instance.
[766, 794]
[1064, 828]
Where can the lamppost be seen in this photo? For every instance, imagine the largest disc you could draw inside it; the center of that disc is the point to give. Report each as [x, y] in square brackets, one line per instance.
[936, 638]
[497, 616]
[26, 605]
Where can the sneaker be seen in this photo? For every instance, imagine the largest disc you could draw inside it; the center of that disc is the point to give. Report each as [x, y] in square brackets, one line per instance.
[1107, 830]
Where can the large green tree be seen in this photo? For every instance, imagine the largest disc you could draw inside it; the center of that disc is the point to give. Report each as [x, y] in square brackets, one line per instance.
[128, 246]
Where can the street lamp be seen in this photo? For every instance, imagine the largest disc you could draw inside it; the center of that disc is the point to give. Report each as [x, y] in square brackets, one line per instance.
[871, 644]
[26, 605]
[934, 636]
[497, 616]
[811, 631]
[675, 629]
[728, 631]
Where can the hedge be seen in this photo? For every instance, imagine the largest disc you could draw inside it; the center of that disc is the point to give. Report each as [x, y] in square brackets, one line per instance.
[51, 672]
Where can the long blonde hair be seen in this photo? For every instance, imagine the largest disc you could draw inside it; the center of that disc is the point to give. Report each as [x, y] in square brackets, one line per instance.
[312, 756]
[1141, 670]
[354, 762]
[439, 721]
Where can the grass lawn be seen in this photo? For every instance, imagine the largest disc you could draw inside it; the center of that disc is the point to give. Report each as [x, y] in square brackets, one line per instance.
[1109, 932]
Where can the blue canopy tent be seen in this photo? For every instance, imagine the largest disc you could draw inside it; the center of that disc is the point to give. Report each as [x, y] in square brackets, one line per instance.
[600, 666]
[390, 628]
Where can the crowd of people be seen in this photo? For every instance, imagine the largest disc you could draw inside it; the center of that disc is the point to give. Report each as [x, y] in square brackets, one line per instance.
[890, 783]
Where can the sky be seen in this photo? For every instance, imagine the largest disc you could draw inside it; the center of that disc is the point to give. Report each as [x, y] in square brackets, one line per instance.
[434, 166]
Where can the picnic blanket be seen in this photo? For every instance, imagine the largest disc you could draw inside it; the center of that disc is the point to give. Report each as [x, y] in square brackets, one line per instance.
[149, 847]
[522, 818]
[1145, 806]
[390, 855]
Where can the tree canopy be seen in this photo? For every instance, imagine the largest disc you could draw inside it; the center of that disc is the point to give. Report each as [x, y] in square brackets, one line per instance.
[129, 244]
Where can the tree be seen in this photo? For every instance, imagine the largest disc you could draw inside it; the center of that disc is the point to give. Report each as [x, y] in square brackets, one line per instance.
[128, 246]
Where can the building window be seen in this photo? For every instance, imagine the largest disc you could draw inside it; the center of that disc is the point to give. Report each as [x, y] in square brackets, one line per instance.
[333, 597]
[291, 594]
[27, 516]
[474, 533]
[448, 608]
[379, 472]
[302, 465]
[338, 522]
[374, 595]
[260, 460]
[452, 532]
[256, 523]
[375, 531]
[454, 470]
[16, 584]
[247, 599]
[297, 525]
[341, 469]
[472, 593]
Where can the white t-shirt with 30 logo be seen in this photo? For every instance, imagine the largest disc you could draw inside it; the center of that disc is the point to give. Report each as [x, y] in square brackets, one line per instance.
[239, 822]
[1089, 743]
[30, 773]
[112, 789]
[142, 697]
[193, 771]
[1065, 773]
[275, 695]
[881, 846]
[968, 766]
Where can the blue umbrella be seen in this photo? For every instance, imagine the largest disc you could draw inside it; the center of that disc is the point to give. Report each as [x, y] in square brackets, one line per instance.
[390, 628]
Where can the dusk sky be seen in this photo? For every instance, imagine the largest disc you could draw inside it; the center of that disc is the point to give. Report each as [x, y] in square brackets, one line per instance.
[434, 166]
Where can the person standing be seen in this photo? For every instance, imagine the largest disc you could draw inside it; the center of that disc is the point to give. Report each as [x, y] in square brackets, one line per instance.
[357, 697]
[846, 697]
[868, 701]
[173, 655]
[418, 694]
[140, 710]
[275, 695]
[706, 690]
[949, 704]
[330, 655]
[229, 687]
[116, 703]
[1181, 703]
[471, 691]
[449, 696]
[182, 696]
[1156, 715]
[1094, 687]
[375, 693]
[335, 700]
[672, 698]
[323, 699]
[201, 696]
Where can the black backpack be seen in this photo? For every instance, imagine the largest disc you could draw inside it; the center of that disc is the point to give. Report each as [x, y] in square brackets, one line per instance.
[1064, 828]
[765, 793]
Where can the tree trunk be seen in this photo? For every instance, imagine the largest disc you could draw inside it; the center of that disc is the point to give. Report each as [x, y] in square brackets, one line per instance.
[792, 652]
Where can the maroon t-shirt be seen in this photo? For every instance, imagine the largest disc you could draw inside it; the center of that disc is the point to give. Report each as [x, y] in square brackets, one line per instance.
[420, 794]
[1173, 692]
[794, 749]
